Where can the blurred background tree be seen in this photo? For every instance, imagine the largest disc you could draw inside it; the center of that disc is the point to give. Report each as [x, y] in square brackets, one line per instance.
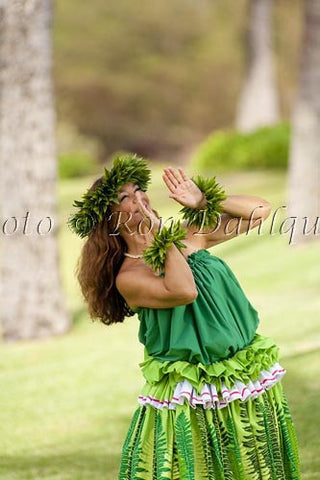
[33, 304]
[258, 103]
[159, 77]
[304, 172]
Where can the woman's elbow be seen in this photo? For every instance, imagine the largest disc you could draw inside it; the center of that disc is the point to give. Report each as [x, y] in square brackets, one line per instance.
[190, 295]
[262, 211]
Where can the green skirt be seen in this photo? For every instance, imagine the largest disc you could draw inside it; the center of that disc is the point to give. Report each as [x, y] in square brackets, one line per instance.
[253, 439]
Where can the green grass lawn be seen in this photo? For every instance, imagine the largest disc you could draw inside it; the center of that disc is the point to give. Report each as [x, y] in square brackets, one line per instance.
[66, 402]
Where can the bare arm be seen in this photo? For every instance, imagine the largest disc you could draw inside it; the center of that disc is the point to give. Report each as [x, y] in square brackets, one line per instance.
[143, 288]
[246, 205]
[241, 213]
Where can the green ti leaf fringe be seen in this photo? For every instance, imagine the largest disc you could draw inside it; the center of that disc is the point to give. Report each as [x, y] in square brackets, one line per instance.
[208, 216]
[155, 255]
[94, 204]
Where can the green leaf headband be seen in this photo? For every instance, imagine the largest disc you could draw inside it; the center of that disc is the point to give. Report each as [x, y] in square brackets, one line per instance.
[94, 204]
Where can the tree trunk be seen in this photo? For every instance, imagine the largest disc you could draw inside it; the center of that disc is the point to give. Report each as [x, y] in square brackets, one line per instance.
[304, 167]
[258, 104]
[33, 303]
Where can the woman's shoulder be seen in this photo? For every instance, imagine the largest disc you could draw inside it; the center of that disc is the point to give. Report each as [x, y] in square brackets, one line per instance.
[129, 269]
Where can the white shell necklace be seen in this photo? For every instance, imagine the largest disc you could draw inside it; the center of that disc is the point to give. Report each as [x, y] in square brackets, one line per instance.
[132, 256]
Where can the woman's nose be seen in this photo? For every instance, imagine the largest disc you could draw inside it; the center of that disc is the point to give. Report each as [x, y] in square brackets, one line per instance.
[137, 196]
[135, 200]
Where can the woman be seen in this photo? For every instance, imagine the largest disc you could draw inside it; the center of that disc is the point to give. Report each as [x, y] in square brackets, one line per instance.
[212, 406]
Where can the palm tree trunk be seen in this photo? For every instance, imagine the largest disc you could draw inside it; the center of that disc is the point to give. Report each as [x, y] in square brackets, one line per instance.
[304, 167]
[33, 303]
[258, 104]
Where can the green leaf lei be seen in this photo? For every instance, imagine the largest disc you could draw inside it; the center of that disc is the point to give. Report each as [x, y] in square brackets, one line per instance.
[155, 255]
[206, 217]
[94, 204]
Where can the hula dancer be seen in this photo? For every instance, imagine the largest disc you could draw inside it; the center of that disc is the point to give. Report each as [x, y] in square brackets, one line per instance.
[212, 406]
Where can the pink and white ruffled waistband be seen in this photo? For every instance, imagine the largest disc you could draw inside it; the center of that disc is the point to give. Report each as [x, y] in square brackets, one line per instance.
[209, 396]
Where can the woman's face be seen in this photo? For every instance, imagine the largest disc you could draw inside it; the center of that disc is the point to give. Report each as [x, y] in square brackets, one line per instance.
[128, 204]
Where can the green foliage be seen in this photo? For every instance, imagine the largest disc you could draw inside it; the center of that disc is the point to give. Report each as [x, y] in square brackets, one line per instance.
[155, 255]
[266, 147]
[126, 454]
[215, 447]
[132, 464]
[162, 466]
[76, 164]
[289, 440]
[294, 455]
[94, 203]
[214, 194]
[222, 440]
[208, 452]
[270, 425]
[234, 449]
[184, 444]
[157, 77]
[136, 77]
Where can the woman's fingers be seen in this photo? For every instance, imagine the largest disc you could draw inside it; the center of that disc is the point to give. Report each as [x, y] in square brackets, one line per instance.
[168, 182]
[142, 208]
[179, 175]
[171, 174]
[145, 210]
[175, 181]
[183, 174]
[140, 204]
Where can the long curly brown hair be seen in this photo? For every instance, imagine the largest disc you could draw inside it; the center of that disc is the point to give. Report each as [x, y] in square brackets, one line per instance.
[97, 268]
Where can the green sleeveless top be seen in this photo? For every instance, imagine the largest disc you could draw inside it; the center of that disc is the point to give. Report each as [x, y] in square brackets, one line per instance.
[218, 323]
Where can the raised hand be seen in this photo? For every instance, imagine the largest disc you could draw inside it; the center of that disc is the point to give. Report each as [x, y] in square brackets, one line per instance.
[182, 188]
[148, 213]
